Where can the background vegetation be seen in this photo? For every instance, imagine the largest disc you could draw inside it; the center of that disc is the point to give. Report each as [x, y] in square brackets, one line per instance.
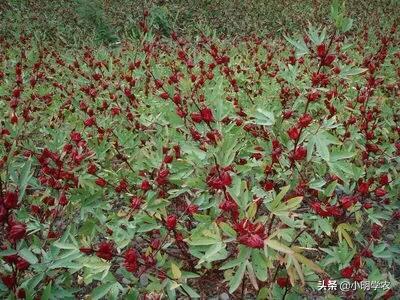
[73, 21]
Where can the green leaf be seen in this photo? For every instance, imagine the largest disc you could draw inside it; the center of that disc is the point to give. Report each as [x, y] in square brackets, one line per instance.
[346, 25]
[274, 244]
[192, 293]
[24, 178]
[342, 229]
[301, 47]
[321, 145]
[176, 272]
[235, 281]
[330, 188]
[263, 117]
[28, 256]
[259, 265]
[47, 292]
[101, 291]
[61, 245]
[313, 266]
[347, 71]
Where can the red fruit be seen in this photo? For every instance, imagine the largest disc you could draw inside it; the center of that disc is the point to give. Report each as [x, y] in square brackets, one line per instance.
[321, 50]
[287, 114]
[22, 264]
[250, 234]
[293, 133]
[363, 188]
[329, 59]
[155, 244]
[195, 134]
[305, 120]
[90, 121]
[257, 155]
[313, 95]
[207, 115]
[130, 260]
[92, 169]
[367, 205]
[9, 281]
[163, 173]
[168, 159]
[384, 179]
[101, 182]
[17, 92]
[300, 153]
[269, 185]
[196, 117]
[283, 282]
[106, 250]
[192, 209]
[347, 201]
[225, 178]
[63, 200]
[3, 213]
[380, 192]
[11, 200]
[376, 231]
[75, 136]
[11, 259]
[145, 185]
[164, 96]
[21, 294]
[347, 272]
[177, 99]
[122, 186]
[16, 232]
[136, 202]
[87, 251]
[177, 150]
[14, 119]
[170, 222]
[396, 215]
[389, 294]
[366, 252]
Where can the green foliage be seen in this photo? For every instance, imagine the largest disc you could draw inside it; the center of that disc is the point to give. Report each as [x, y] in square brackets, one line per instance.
[92, 13]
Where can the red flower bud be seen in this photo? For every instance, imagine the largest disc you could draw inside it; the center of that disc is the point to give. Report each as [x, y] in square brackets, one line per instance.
[170, 222]
[101, 182]
[92, 169]
[87, 251]
[347, 272]
[321, 50]
[380, 192]
[145, 185]
[293, 133]
[196, 117]
[300, 153]
[313, 95]
[22, 264]
[207, 115]
[16, 232]
[136, 202]
[283, 282]
[11, 200]
[329, 59]
[130, 260]
[9, 281]
[164, 96]
[305, 120]
[106, 250]
[363, 188]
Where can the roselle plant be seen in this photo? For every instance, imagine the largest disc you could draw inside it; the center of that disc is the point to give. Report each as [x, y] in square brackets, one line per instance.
[257, 167]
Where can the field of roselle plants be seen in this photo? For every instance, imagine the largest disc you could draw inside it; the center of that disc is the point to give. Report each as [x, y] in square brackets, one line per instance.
[260, 167]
